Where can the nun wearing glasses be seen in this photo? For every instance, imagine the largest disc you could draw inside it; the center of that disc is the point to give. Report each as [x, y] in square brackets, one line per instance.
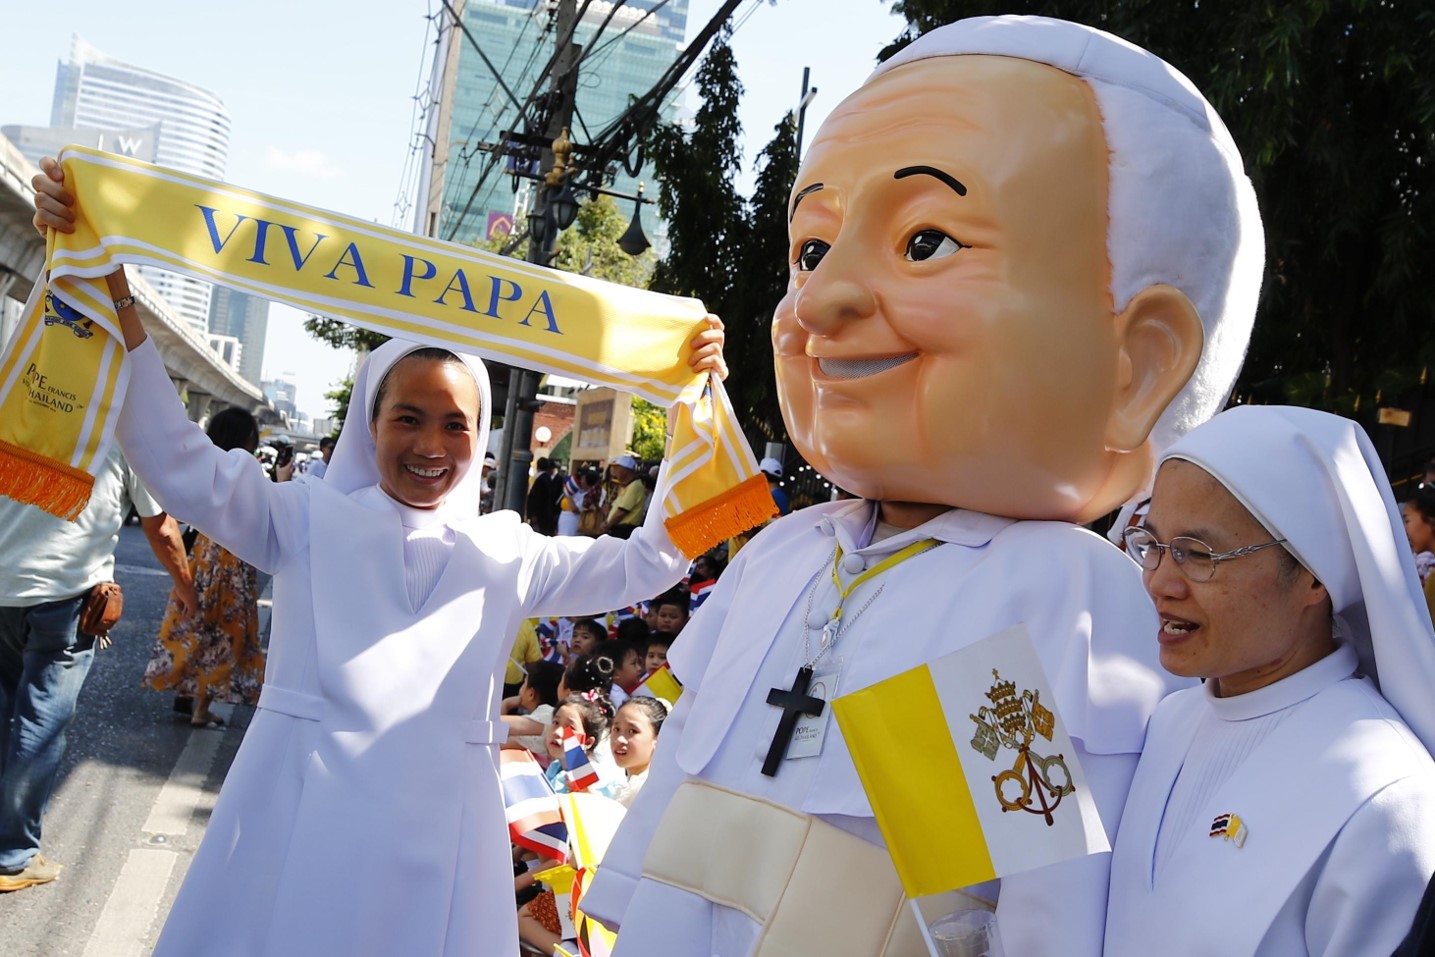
[1287, 805]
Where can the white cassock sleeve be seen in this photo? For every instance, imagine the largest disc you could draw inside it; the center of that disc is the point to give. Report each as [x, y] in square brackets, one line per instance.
[226, 495]
[1368, 885]
[567, 576]
[617, 879]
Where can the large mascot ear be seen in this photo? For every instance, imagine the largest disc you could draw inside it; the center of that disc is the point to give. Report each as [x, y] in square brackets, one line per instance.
[1160, 338]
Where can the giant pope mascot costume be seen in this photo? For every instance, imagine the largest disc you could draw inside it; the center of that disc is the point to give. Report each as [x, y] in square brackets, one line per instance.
[1024, 259]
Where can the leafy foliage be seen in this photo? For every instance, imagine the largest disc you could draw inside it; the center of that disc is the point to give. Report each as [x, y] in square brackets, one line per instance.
[341, 335]
[650, 423]
[725, 250]
[1332, 103]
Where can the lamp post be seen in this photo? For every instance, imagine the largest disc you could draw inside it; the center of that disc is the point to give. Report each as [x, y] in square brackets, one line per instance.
[555, 208]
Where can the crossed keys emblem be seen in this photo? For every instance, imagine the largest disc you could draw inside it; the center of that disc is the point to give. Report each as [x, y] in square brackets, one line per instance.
[1012, 721]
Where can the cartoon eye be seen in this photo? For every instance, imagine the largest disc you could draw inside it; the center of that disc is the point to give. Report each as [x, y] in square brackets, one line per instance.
[932, 244]
[811, 254]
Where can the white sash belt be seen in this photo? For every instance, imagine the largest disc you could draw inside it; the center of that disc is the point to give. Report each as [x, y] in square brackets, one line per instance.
[814, 888]
[296, 704]
[310, 707]
[485, 732]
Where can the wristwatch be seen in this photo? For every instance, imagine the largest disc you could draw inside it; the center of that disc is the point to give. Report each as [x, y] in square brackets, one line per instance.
[124, 303]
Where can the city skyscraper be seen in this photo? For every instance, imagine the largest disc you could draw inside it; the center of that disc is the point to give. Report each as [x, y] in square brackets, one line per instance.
[246, 318]
[640, 41]
[95, 91]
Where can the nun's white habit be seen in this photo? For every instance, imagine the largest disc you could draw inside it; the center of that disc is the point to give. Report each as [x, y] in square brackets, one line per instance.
[363, 815]
[1331, 781]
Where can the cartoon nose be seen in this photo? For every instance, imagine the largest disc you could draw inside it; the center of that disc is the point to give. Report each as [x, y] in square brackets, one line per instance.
[833, 294]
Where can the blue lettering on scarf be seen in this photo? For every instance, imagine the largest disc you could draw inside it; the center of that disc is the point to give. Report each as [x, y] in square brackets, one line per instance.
[430, 270]
[354, 261]
[462, 281]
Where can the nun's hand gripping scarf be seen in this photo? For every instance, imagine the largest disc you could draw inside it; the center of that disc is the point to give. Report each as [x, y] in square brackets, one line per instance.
[65, 369]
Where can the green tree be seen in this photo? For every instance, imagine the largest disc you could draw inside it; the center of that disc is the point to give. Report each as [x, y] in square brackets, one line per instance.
[707, 219]
[650, 424]
[342, 335]
[1332, 103]
[590, 248]
[765, 267]
[723, 249]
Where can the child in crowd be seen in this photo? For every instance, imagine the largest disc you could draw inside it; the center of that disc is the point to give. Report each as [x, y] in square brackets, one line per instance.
[635, 631]
[704, 575]
[1419, 514]
[587, 674]
[588, 634]
[524, 652]
[633, 738]
[537, 697]
[588, 716]
[669, 612]
[626, 660]
[657, 651]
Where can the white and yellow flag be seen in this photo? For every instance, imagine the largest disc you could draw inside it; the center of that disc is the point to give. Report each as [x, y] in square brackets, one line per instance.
[969, 769]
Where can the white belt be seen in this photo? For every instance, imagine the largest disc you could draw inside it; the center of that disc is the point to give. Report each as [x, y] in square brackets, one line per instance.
[298, 704]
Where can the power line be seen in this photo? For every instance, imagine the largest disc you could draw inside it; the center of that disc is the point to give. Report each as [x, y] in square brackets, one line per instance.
[533, 55]
[418, 120]
[522, 115]
[598, 51]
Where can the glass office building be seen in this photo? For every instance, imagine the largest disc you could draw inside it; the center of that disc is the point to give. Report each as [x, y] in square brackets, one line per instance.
[639, 43]
[98, 92]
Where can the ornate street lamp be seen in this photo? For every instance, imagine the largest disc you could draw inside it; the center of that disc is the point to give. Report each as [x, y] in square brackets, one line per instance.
[633, 242]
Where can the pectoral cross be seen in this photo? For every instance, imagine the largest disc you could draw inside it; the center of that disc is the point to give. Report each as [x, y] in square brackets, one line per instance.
[794, 703]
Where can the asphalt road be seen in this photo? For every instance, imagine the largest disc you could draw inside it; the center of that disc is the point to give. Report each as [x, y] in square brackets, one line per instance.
[135, 793]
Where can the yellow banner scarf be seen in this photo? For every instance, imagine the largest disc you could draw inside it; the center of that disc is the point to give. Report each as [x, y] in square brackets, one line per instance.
[66, 366]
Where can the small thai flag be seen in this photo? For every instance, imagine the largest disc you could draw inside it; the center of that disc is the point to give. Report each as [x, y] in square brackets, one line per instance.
[581, 773]
[699, 594]
[535, 820]
[1230, 827]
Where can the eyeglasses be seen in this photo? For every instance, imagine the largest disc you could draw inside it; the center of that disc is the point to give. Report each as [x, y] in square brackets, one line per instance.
[1193, 557]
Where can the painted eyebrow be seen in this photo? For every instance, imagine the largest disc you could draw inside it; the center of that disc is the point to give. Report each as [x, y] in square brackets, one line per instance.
[799, 197]
[945, 177]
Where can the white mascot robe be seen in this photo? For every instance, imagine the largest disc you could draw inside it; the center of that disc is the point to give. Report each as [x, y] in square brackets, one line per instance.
[363, 813]
[1094, 631]
[1335, 791]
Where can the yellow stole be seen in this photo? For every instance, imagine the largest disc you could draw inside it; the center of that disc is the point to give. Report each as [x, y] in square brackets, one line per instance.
[65, 369]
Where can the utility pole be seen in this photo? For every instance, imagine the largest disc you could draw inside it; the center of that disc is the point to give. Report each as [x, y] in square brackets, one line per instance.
[512, 487]
[808, 92]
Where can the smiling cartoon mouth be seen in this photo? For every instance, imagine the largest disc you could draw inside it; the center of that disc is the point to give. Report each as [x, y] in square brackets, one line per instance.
[860, 368]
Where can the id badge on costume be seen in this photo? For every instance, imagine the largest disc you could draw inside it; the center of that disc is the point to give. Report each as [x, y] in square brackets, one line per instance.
[810, 732]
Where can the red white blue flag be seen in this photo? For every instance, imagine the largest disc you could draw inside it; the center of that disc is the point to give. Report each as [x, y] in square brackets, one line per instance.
[535, 820]
[581, 773]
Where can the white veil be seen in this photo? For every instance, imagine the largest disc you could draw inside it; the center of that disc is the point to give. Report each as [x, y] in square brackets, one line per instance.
[1314, 479]
[352, 466]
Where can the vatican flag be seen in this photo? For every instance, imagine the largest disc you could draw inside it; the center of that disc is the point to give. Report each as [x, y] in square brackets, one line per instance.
[968, 767]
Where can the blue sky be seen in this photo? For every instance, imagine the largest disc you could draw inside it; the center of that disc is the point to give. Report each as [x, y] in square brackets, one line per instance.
[322, 94]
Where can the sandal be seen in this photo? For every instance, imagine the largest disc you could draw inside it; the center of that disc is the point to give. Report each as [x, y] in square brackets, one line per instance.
[212, 723]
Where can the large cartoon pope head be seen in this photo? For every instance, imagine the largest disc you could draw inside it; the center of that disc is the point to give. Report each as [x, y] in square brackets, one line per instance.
[1025, 259]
